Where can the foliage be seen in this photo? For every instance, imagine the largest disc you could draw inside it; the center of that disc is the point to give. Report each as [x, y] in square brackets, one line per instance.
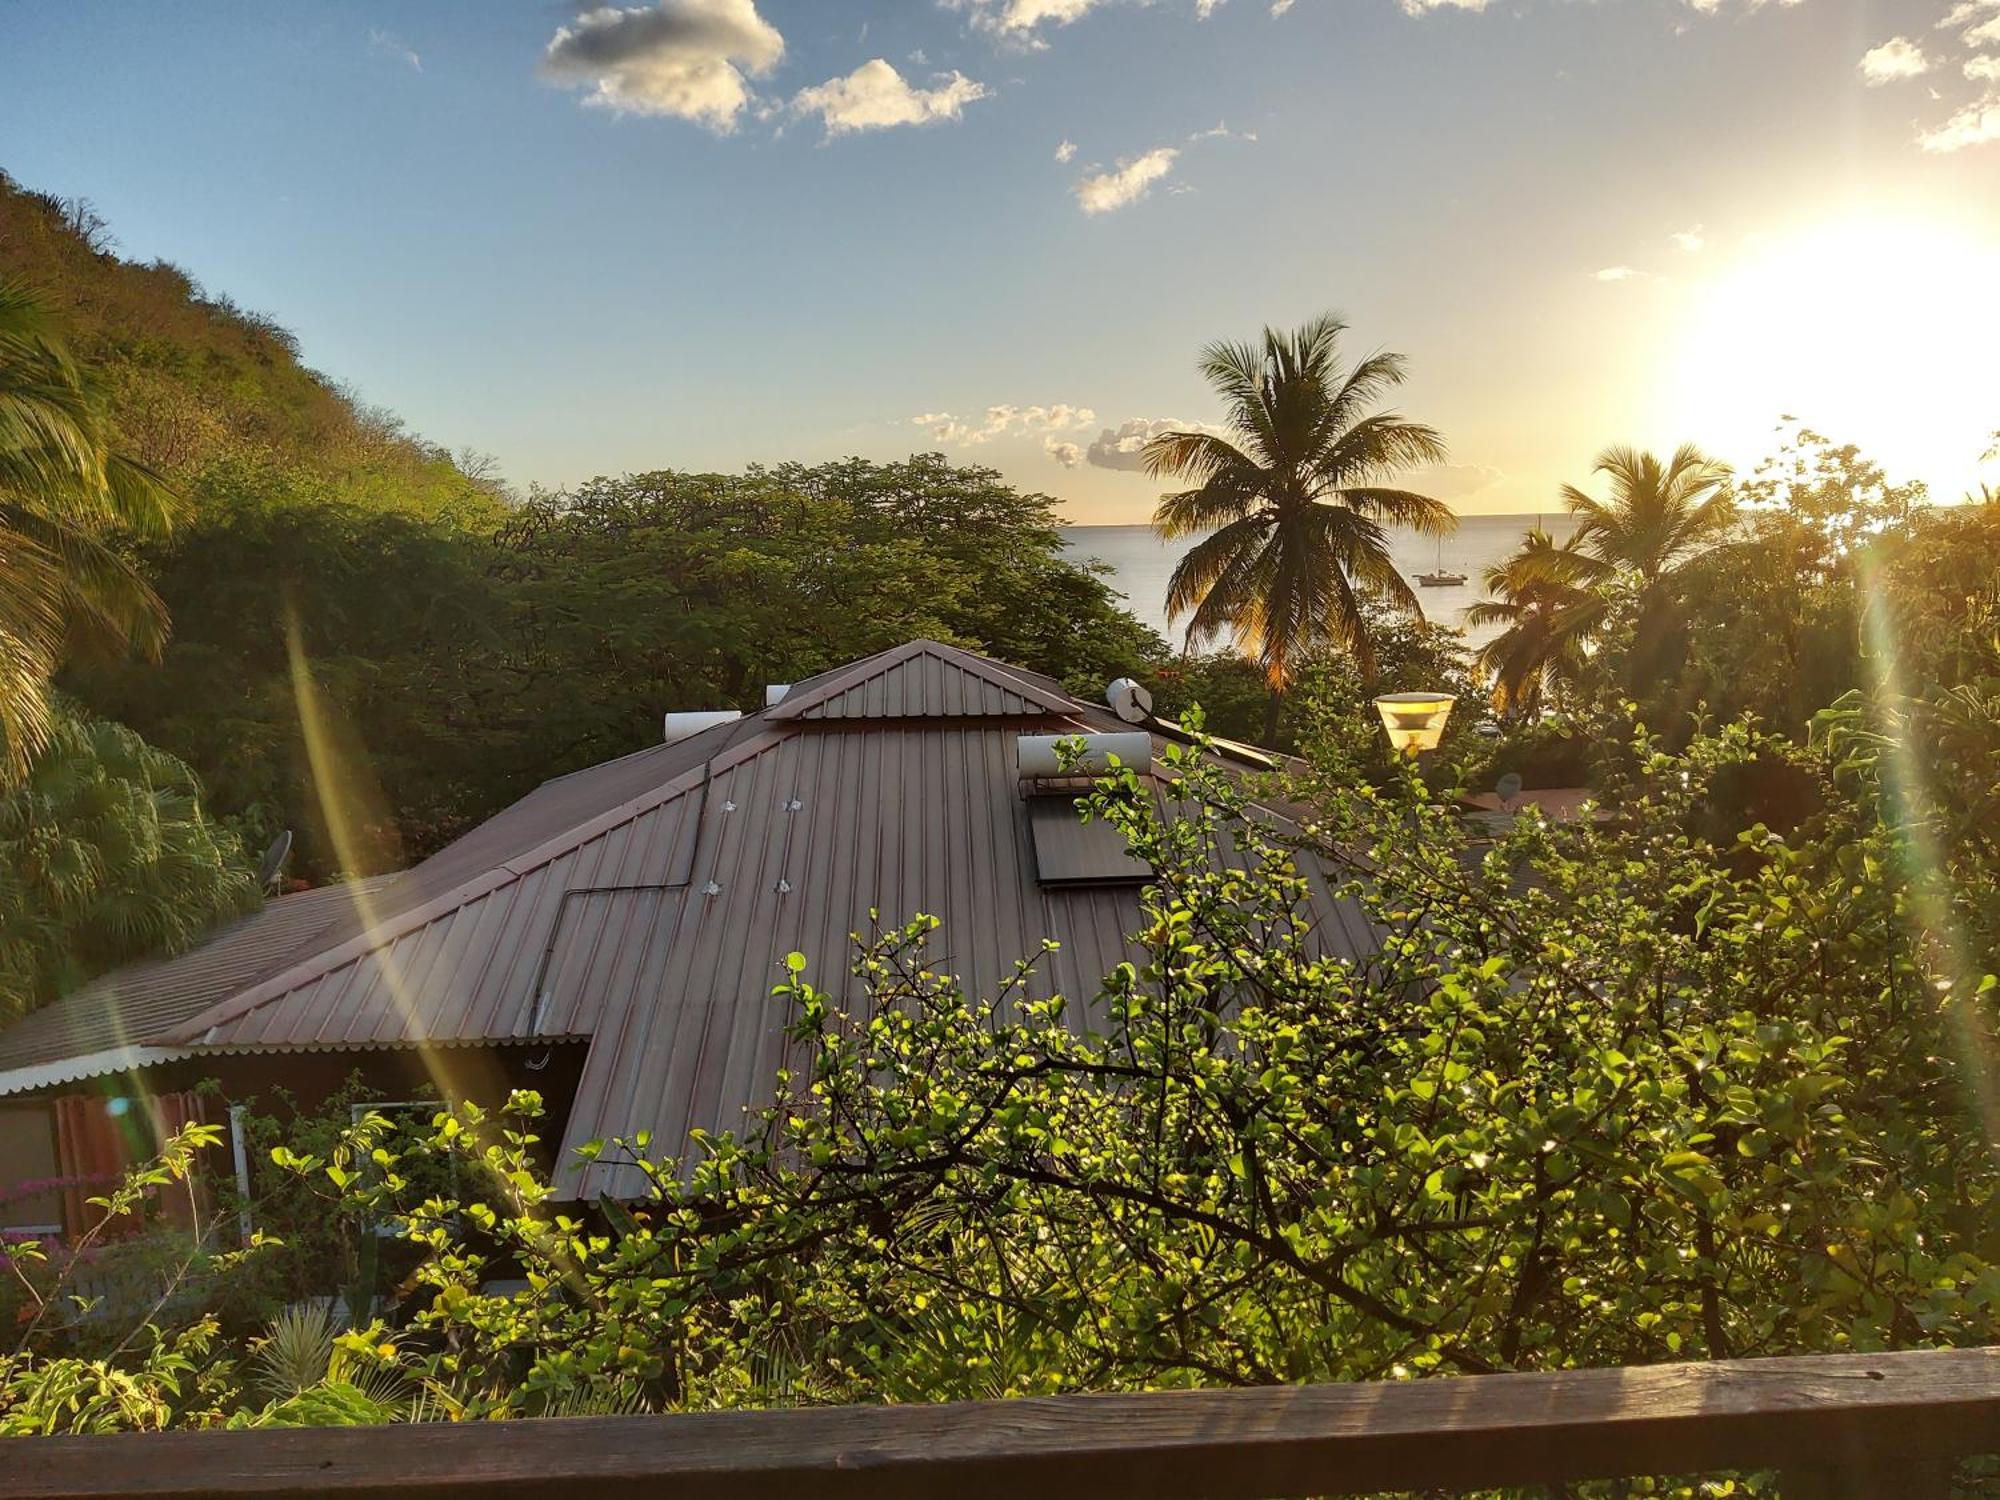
[450, 670]
[1292, 506]
[106, 855]
[64, 491]
[1668, 1086]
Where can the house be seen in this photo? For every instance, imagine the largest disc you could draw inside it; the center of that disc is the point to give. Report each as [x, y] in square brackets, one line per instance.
[613, 938]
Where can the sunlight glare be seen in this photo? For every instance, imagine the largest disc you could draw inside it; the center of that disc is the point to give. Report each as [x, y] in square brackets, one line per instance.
[1866, 330]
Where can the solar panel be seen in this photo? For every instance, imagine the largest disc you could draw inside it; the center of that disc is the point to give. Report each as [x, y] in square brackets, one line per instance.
[1069, 851]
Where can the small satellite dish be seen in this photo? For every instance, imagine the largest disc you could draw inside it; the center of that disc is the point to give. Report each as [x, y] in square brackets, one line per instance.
[1508, 787]
[273, 864]
[1129, 700]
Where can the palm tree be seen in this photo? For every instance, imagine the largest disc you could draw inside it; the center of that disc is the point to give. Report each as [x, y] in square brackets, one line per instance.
[1297, 498]
[1660, 517]
[63, 493]
[1546, 598]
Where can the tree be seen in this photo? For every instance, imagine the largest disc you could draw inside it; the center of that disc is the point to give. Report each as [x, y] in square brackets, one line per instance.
[1547, 599]
[106, 855]
[64, 492]
[1297, 499]
[1659, 520]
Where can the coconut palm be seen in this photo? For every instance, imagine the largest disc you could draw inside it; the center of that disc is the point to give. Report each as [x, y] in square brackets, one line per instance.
[63, 492]
[1298, 499]
[1659, 517]
[1545, 598]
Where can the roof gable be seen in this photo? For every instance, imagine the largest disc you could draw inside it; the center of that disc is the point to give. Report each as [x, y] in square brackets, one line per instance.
[924, 680]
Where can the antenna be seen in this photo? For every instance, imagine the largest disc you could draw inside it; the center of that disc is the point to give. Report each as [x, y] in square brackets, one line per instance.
[272, 866]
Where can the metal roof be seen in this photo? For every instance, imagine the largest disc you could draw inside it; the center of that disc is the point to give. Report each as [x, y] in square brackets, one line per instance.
[98, 1028]
[648, 904]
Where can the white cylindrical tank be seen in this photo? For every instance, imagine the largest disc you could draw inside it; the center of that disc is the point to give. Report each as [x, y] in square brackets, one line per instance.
[685, 725]
[1039, 758]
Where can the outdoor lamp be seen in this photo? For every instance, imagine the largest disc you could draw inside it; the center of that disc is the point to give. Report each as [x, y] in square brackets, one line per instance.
[1415, 721]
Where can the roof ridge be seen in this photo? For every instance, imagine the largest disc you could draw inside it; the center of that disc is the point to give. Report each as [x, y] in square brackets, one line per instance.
[999, 674]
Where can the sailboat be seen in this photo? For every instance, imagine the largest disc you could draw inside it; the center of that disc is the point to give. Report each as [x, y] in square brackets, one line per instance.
[1440, 579]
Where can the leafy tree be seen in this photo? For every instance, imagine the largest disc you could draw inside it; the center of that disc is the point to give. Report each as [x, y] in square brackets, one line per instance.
[1297, 498]
[106, 855]
[64, 490]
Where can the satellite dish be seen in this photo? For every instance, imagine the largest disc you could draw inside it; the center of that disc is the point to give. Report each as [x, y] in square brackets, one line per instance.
[1509, 787]
[273, 864]
[1129, 700]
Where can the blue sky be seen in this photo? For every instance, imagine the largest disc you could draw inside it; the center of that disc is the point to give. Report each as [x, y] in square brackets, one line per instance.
[702, 233]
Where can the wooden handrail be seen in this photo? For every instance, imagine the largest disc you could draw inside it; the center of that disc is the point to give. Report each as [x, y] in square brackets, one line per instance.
[1839, 1417]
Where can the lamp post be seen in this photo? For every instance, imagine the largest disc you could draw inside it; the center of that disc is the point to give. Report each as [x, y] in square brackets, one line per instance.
[1415, 721]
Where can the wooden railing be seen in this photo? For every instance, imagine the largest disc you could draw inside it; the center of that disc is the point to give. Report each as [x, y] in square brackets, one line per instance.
[1843, 1425]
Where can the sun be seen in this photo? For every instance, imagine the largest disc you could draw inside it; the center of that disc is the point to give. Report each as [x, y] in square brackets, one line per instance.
[1883, 332]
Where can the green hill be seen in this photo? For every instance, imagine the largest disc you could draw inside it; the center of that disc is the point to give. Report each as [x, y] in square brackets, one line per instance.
[196, 382]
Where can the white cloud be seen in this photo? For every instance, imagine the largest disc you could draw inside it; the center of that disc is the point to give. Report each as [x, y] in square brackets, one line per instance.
[1978, 124]
[1984, 34]
[1005, 420]
[1418, 7]
[1689, 240]
[1019, 21]
[1896, 59]
[1203, 9]
[1222, 132]
[391, 45]
[1966, 12]
[1279, 7]
[1122, 447]
[1128, 182]
[1068, 454]
[876, 97]
[1620, 273]
[688, 59]
[1066, 151]
[1983, 69]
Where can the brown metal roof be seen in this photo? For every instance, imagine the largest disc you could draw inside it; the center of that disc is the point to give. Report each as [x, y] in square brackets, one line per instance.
[648, 904]
[124, 1008]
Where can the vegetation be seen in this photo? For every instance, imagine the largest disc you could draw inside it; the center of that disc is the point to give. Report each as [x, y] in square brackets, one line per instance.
[1292, 507]
[1698, 1077]
[106, 856]
[1591, 1102]
[64, 489]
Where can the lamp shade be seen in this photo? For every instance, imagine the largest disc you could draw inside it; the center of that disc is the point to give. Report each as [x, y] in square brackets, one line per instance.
[1415, 721]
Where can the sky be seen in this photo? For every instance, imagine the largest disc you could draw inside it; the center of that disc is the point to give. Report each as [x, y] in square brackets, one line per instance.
[706, 233]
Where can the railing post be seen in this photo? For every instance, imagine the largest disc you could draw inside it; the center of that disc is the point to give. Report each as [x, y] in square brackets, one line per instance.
[1872, 1478]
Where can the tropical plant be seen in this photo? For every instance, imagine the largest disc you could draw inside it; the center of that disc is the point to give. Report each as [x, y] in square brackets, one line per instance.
[1659, 517]
[1547, 600]
[1294, 503]
[106, 855]
[64, 492]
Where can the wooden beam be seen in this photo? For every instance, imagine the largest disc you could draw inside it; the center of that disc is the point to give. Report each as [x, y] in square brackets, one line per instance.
[1827, 1413]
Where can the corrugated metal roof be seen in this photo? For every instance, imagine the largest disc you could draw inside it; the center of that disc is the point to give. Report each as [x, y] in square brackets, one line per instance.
[95, 1027]
[649, 904]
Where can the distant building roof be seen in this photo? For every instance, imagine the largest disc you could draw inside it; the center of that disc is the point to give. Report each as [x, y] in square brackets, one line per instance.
[647, 904]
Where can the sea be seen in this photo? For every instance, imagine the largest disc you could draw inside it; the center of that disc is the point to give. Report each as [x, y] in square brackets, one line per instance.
[1141, 563]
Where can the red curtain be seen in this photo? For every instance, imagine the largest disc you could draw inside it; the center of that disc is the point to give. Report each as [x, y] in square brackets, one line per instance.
[98, 1138]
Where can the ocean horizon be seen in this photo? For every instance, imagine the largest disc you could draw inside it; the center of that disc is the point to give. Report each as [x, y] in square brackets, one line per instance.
[1140, 563]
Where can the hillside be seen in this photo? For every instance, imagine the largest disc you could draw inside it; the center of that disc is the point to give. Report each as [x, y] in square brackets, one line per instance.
[195, 382]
